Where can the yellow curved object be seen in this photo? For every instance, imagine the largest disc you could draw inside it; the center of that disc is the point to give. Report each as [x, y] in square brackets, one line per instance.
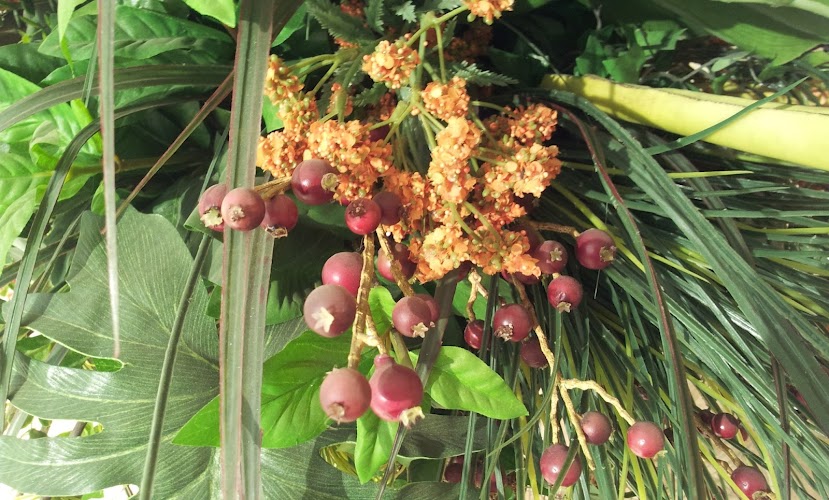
[791, 133]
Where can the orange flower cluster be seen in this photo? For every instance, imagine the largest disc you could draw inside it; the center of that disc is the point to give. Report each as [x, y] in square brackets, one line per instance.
[391, 63]
[449, 171]
[336, 93]
[446, 100]
[280, 83]
[487, 9]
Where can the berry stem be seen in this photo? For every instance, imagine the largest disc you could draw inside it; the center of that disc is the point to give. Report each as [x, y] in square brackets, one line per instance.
[591, 385]
[363, 311]
[371, 333]
[475, 280]
[396, 270]
[400, 349]
[556, 228]
[272, 188]
[574, 419]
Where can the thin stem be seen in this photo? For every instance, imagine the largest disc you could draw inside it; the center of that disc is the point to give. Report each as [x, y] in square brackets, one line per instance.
[574, 419]
[556, 228]
[358, 327]
[396, 270]
[272, 188]
[591, 385]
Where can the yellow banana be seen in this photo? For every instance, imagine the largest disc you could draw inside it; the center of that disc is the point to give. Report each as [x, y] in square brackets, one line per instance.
[791, 133]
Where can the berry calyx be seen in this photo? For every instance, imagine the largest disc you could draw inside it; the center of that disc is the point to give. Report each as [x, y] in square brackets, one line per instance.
[345, 395]
[210, 207]
[329, 310]
[596, 427]
[595, 249]
[512, 322]
[564, 293]
[749, 480]
[396, 391]
[281, 215]
[344, 269]
[313, 182]
[401, 255]
[645, 439]
[725, 425]
[362, 216]
[473, 333]
[532, 354]
[391, 207]
[243, 209]
[551, 256]
[552, 463]
[411, 317]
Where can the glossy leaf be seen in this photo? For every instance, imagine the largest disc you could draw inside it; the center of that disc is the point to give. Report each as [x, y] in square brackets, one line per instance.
[221, 10]
[381, 304]
[374, 442]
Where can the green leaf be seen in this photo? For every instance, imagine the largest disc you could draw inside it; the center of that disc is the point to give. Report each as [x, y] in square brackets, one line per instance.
[477, 76]
[374, 441]
[381, 304]
[65, 10]
[24, 60]
[461, 381]
[429, 491]
[406, 11]
[13, 219]
[294, 24]
[338, 23]
[222, 10]
[374, 14]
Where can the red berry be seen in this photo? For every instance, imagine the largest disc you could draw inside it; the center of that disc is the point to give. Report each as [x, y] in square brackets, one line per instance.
[434, 307]
[210, 207]
[345, 395]
[343, 269]
[362, 216]
[596, 427]
[595, 249]
[564, 293]
[552, 461]
[473, 333]
[411, 316]
[551, 255]
[402, 255]
[453, 473]
[512, 322]
[749, 480]
[329, 310]
[379, 133]
[243, 209]
[645, 439]
[314, 181]
[725, 425]
[394, 389]
[281, 215]
[391, 207]
[532, 354]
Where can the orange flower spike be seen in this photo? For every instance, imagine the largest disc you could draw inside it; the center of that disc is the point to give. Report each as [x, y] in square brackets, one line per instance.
[280, 84]
[487, 10]
[391, 63]
[535, 123]
[446, 101]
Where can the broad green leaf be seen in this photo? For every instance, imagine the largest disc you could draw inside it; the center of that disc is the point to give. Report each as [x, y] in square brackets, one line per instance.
[13, 219]
[381, 304]
[461, 381]
[374, 441]
[65, 10]
[294, 24]
[222, 10]
[24, 60]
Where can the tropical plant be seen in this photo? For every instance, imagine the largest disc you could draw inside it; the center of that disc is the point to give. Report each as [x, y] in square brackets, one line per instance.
[400, 249]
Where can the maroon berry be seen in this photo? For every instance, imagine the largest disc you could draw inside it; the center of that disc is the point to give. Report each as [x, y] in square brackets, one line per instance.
[508, 482]
[379, 133]
[281, 215]
[512, 322]
[551, 255]
[391, 207]
[595, 249]
[532, 354]
[314, 181]
[526, 279]
[402, 255]
[552, 461]
[345, 395]
[645, 439]
[596, 427]
[362, 216]
[243, 209]
[725, 425]
[453, 473]
[434, 307]
[394, 389]
[343, 269]
[564, 293]
[749, 480]
[210, 207]
[706, 416]
[473, 333]
[329, 310]
[411, 316]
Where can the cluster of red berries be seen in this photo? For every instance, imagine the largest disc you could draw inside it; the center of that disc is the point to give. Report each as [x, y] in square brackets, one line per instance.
[726, 426]
[243, 209]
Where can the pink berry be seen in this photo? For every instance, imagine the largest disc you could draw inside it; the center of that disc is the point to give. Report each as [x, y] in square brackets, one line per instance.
[329, 310]
[512, 322]
[210, 207]
[453, 473]
[394, 389]
[564, 293]
[411, 316]
[281, 215]
[749, 480]
[532, 354]
[595, 249]
[243, 209]
[402, 255]
[596, 427]
[552, 463]
[314, 181]
[379, 133]
[725, 425]
[362, 216]
[345, 395]
[645, 439]
[434, 307]
[343, 269]
[473, 333]
[551, 255]
[391, 207]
